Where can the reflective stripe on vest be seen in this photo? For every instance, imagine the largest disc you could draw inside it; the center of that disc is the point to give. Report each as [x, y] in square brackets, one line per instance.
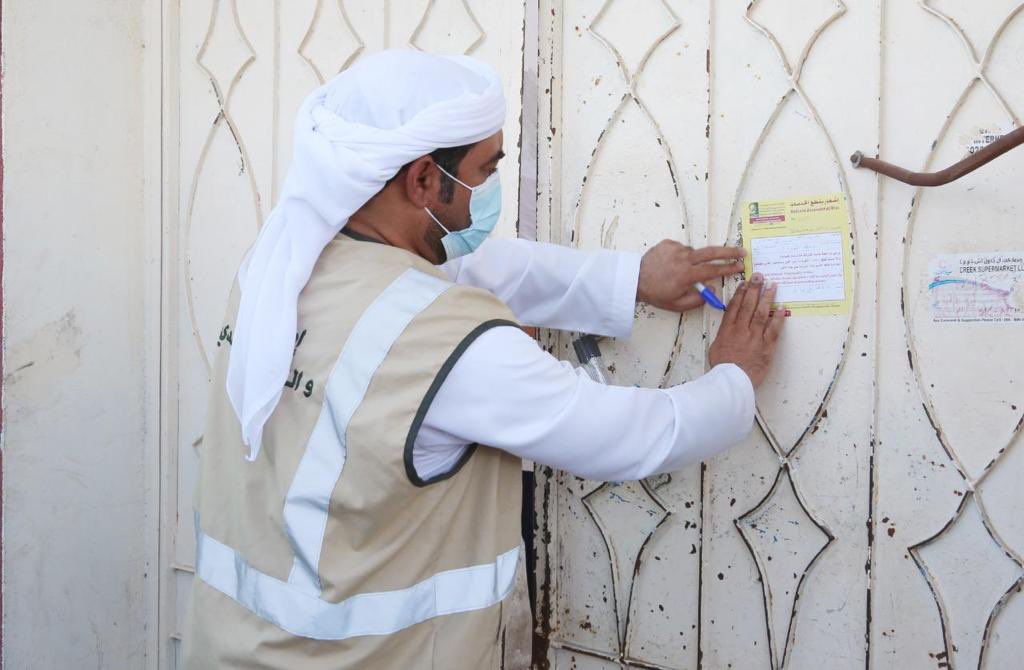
[308, 499]
[295, 605]
[300, 613]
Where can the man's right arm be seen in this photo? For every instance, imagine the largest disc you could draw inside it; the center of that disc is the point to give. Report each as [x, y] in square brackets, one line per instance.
[551, 286]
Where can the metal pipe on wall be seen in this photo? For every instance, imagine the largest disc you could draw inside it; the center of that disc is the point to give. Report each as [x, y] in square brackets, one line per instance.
[976, 160]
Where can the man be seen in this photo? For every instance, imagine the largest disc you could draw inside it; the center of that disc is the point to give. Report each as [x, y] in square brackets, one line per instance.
[359, 495]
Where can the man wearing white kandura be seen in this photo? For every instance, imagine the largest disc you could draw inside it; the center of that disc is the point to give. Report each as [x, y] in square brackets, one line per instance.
[359, 494]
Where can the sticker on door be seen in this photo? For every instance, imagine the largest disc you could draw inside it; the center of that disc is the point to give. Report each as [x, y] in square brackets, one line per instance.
[977, 288]
[803, 245]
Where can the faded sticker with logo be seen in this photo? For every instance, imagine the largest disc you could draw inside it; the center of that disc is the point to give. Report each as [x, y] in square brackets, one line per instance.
[977, 288]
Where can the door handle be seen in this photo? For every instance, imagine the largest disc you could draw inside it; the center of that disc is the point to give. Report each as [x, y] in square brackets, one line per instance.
[994, 150]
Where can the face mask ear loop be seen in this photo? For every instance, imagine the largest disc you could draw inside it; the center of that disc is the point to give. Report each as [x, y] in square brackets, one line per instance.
[456, 179]
[436, 220]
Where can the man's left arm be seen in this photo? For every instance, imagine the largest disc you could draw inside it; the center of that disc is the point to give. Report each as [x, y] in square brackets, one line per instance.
[552, 286]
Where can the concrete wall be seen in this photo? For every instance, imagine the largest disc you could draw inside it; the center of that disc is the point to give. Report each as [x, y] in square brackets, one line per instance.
[80, 266]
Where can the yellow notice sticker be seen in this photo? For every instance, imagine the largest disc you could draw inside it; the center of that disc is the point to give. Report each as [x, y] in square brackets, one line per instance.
[803, 245]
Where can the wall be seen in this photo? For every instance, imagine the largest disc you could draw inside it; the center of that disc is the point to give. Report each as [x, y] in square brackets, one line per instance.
[1, 341]
[80, 538]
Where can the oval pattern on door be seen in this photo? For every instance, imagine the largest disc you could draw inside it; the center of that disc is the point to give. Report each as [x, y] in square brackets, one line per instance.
[811, 352]
[970, 373]
[630, 194]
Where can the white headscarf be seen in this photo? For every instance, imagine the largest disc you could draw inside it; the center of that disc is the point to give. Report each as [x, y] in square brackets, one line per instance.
[352, 135]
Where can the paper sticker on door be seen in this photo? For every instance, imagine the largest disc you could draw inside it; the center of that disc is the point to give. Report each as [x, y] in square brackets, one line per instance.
[803, 245]
[977, 288]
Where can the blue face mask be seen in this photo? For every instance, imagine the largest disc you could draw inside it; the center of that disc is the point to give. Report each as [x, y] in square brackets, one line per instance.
[484, 210]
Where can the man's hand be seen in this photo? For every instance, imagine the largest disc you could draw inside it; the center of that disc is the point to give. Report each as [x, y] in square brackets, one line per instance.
[749, 330]
[669, 270]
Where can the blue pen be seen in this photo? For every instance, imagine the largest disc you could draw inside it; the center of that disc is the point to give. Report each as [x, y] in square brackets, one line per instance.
[709, 296]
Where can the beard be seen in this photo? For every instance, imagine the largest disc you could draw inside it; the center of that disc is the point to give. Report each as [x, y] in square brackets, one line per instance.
[433, 242]
[434, 233]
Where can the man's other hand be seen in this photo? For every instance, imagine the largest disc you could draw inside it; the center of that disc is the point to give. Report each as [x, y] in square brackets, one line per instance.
[749, 330]
[669, 270]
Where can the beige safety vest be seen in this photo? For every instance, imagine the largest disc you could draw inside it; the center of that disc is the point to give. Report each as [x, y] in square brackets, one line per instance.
[328, 551]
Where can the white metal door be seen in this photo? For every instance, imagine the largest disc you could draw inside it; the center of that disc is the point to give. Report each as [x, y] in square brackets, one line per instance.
[237, 71]
[871, 519]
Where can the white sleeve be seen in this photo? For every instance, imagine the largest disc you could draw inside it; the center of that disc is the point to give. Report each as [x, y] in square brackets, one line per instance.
[551, 286]
[506, 392]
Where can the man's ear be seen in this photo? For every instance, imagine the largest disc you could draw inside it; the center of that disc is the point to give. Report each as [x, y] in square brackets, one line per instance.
[422, 182]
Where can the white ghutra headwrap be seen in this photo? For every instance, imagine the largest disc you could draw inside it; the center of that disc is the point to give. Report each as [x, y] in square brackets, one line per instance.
[352, 135]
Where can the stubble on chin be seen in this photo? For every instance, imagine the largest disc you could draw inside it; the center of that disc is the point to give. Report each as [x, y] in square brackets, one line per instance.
[432, 240]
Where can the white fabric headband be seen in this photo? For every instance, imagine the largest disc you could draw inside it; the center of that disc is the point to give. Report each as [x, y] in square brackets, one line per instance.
[352, 135]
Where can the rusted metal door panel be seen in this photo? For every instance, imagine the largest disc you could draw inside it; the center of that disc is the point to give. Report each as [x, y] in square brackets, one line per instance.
[949, 517]
[822, 541]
